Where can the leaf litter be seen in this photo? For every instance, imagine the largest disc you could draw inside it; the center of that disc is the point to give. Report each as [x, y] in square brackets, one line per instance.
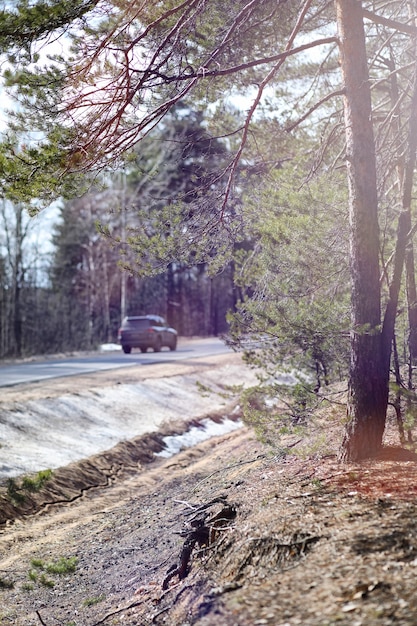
[311, 542]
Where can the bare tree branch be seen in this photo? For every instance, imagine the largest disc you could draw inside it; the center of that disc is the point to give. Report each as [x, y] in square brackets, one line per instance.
[385, 21]
[334, 94]
[100, 114]
[203, 73]
[257, 100]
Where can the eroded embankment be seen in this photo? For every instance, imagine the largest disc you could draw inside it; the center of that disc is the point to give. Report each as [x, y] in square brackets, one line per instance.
[103, 428]
[69, 483]
[51, 424]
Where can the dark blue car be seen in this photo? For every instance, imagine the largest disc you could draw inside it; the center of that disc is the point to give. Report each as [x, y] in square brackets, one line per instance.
[146, 331]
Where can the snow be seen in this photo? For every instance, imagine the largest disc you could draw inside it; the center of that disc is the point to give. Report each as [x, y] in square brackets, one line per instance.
[196, 434]
[109, 347]
[50, 432]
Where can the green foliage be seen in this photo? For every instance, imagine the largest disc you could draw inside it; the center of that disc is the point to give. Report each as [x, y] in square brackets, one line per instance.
[173, 179]
[33, 173]
[203, 389]
[61, 567]
[36, 483]
[69, 134]
[28, 587]
[294, 306]
[45, 581]
[317, 483]
[33, 575]
[95, 600]
[18, 493]
[273, 410]
[29, 21]
[41, 579]
[410, 418]
[14, 492]
[5, 583]
[408, 399]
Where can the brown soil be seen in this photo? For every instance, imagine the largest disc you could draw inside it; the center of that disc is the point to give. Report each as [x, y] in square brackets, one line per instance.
[312, 542]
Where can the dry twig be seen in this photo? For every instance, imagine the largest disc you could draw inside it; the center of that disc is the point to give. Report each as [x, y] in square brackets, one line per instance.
[200, 531]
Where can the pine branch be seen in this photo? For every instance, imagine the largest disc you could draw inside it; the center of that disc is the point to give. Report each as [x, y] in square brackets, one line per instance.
[385, 21]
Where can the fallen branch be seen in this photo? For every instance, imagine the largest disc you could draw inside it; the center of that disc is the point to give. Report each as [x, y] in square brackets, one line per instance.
[202, 532]
[125, 608]
[40, 619]
[224, 469]
[168, 608]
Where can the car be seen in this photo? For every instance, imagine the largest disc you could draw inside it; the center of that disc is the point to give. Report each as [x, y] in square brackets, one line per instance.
[146, 331]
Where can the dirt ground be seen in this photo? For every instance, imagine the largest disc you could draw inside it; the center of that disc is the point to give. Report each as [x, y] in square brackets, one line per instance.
[227, 533]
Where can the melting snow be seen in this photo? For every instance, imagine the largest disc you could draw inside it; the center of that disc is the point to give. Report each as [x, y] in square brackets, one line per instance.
[196, 434]
[52, 432]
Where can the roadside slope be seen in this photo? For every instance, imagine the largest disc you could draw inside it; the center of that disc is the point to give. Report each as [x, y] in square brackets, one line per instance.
[311, 543]
[228, 532]
[50, 424]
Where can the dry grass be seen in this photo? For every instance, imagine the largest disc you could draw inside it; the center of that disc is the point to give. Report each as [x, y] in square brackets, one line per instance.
[313, 542]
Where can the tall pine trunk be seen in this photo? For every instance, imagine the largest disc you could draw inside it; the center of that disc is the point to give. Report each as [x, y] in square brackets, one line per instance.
[406, 202]
[369, 370]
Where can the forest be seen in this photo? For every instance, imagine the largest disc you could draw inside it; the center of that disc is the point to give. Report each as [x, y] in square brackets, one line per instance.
[245, 169]
[74, 295]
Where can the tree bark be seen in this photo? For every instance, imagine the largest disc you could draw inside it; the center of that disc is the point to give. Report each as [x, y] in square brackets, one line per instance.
[404, 244]
[407, 199]
[411, 303]
[404, 253]
[369, 371]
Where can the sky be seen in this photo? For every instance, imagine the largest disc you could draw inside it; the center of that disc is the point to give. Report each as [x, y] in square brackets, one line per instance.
[40, 238]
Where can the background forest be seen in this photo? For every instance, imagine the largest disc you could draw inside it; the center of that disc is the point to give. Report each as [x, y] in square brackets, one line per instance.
[74, 297]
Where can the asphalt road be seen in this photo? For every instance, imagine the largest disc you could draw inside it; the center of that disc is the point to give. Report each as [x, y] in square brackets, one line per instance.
[37, 370]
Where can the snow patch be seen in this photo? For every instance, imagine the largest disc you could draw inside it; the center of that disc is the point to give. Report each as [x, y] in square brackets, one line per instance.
[109, 347]
[196, 434]
[51, 432]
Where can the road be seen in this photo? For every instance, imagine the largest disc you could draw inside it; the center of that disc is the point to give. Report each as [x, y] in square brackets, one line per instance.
[35, 371]
[53, 422]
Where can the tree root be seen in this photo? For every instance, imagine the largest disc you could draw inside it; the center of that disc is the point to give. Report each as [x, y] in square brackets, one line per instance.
[202, 532]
